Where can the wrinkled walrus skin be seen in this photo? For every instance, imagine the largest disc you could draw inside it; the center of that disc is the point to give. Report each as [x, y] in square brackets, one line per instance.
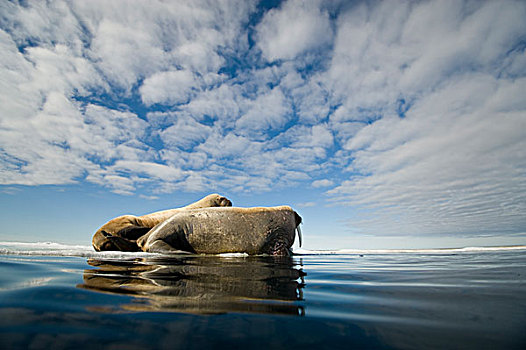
[122, 233]
[226, 230]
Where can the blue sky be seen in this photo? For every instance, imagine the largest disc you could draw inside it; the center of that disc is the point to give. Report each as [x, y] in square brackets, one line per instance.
[383, 123]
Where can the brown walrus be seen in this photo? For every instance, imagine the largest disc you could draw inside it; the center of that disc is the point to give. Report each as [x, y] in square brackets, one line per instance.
[122, 232]
[258, 230]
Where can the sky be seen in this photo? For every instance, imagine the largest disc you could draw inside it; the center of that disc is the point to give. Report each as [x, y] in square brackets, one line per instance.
[385, 124]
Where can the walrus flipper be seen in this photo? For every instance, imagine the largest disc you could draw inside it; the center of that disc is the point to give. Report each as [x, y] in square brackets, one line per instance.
[122, 244]
[161, 246]
[133, 232]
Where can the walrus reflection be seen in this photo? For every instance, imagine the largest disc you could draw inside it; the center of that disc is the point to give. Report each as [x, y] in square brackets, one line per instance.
[204, 285]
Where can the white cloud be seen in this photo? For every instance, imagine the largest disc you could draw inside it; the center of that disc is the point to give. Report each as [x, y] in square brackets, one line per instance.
[322, 183]
[219, 103]
[196, 161]
[306, 204]
[54, 53]
[451, 166]
[397, 50]
[185, 133]
[432, 118]
[319, 136]
[60, 143]
[46, 137]
[15, 96]
[134, 42]
[297, 26]
[312, 102]
[268, 112]
[197, 57]
[150, 169]
[229, 146]
[122, 50]
[37, 148]
[119, 184]
[175, 87]
[170, 87]
[50, 24]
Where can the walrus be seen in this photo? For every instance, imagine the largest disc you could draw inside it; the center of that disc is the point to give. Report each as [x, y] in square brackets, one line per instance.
[121, 233]
[258, 230]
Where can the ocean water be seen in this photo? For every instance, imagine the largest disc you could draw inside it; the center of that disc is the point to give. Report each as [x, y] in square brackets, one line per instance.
[55, 296]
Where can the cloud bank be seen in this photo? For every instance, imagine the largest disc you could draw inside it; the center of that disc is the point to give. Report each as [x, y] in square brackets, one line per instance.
[410, 114]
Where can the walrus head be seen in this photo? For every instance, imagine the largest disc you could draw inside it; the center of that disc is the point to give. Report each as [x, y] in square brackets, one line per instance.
[212, 200]
[221, 201]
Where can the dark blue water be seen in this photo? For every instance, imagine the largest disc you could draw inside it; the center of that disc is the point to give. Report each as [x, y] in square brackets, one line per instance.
[462, 300]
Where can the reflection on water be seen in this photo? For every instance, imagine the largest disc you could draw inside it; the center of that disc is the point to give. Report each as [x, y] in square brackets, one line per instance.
[372, 301]
[202, 284]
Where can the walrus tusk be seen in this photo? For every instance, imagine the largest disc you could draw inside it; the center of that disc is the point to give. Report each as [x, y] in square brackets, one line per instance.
[299, 234]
